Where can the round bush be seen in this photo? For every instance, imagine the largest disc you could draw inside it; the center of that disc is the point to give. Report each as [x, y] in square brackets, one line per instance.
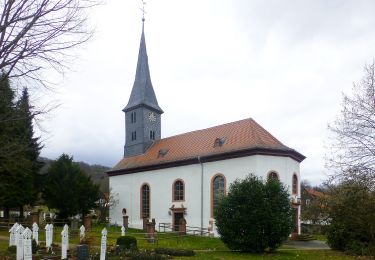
[254, 215]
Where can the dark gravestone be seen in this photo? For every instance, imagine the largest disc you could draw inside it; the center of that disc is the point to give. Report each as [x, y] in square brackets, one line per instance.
[82, 252]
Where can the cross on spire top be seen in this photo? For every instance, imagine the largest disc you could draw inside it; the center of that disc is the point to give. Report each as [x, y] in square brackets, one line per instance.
[143, 10]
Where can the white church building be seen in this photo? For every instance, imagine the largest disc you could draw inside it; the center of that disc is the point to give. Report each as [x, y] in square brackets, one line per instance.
[184, 175]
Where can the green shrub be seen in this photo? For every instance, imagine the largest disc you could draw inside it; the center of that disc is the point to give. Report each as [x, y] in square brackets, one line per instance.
[174, 251]
[254, 215]
[127, 242]
[146, 255]
[350, 207]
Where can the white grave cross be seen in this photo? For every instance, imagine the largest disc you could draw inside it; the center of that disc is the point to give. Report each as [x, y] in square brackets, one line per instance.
[103, 246]
[19, 242]
[82, 235]
[64, 242]
[122, 231]
[12, 235]
[27, 247]
[35, 233]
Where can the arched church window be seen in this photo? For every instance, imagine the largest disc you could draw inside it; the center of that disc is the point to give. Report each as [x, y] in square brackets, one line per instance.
[145, 201]
[178, 190]
[295, 184]
[273, 175]
[218, 184]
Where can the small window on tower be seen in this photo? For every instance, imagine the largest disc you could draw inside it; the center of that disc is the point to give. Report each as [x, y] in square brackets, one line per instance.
[152, 135]
[133, 117]
[134, 136]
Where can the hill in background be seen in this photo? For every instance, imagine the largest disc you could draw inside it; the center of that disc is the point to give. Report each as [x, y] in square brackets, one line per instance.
[96, 172]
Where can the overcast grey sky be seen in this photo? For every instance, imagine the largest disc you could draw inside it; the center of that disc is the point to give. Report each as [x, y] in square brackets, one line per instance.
[282, 63]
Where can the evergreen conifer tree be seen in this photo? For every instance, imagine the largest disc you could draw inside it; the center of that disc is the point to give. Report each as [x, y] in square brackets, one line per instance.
[18, 150]
[32, 144]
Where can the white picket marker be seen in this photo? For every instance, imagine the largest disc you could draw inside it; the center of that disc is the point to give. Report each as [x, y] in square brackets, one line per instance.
[36, 233]
[64, 242]
[48, 234]
[13, 234]
[82, 235]
[103, 246]
[19, 242]
[51, 235]
[123, 231]
[27, 247]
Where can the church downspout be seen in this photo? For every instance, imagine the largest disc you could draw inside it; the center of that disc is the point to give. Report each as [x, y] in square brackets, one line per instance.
[200, 162]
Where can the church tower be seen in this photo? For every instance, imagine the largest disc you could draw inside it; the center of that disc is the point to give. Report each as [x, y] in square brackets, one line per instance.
[142, 113]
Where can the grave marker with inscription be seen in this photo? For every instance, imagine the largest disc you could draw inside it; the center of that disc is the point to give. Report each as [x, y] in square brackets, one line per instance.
[12, 235]
[19, 242]
[103, 245]
[64, 242]
[27, 247]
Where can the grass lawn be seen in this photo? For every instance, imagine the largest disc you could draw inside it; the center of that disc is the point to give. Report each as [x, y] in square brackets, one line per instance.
[205, 247]
[281, 254]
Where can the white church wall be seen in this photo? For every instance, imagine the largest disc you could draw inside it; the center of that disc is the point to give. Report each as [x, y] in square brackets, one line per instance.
[161, 181]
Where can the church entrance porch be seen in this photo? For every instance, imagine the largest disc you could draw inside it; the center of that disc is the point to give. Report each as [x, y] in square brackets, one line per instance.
[177, 216]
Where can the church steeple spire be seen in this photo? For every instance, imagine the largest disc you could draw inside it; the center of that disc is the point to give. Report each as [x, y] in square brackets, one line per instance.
[142, 113]
[143, 92]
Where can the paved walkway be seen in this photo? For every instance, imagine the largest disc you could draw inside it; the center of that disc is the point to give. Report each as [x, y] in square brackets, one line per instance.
[307, 245]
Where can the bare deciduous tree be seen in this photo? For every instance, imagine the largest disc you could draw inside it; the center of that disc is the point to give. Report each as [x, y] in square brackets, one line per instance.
[38, 34]
[352, 140]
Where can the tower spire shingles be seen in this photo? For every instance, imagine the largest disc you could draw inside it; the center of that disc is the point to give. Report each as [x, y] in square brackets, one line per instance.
[143, 92]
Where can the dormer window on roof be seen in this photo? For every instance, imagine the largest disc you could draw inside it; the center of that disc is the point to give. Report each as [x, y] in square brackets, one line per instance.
[162, 152]
[219, 142]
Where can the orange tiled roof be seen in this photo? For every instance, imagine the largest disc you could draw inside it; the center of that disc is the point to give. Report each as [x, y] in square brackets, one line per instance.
[243, 135]
[314, 193]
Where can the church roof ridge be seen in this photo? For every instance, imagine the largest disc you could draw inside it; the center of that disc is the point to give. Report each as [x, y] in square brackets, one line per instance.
[240, 138]
[142, 92]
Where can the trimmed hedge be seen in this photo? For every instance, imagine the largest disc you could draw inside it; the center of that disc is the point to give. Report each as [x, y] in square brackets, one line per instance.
[174, 252]
[127, 242]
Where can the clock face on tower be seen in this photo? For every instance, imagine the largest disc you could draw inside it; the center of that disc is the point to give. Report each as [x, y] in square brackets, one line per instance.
[152, 117]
